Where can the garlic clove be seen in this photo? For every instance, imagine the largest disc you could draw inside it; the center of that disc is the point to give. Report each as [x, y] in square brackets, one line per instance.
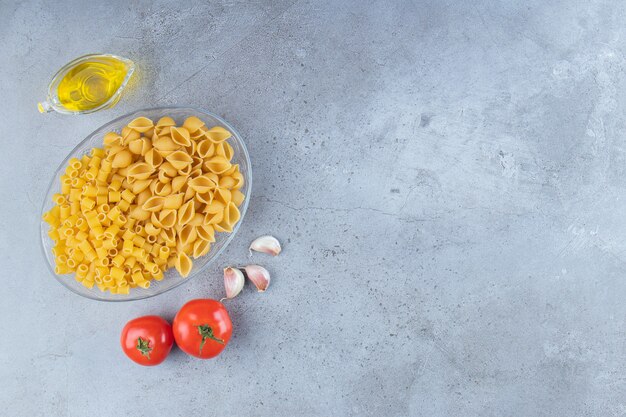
[266, 244]
[233, 281]
[259, 276]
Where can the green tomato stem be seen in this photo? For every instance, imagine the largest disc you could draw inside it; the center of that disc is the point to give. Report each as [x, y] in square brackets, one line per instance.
[143, 346]
[207, 333]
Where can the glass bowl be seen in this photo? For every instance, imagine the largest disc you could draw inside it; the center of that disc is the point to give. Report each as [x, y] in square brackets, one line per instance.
[171, 279]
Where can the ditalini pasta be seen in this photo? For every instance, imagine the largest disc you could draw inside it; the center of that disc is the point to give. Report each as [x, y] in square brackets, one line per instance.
[150, 199]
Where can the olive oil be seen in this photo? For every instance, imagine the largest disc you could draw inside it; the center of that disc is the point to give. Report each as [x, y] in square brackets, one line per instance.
[88, 84]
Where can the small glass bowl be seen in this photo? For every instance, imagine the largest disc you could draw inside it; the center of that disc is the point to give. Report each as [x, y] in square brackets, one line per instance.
[52, 102]
[171, 279]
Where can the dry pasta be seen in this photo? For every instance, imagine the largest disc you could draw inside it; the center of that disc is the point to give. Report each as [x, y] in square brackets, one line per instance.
[150, 199]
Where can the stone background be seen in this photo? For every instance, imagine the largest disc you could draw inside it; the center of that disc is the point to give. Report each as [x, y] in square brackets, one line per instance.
[447, 179]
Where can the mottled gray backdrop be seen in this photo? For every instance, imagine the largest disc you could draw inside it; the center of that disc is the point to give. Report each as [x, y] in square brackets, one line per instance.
[448, 179]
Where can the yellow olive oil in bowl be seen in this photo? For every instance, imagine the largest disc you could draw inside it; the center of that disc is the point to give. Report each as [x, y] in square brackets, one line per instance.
[88, 84]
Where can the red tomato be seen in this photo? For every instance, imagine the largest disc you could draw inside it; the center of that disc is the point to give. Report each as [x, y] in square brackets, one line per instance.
[202, 328]
[147, 340]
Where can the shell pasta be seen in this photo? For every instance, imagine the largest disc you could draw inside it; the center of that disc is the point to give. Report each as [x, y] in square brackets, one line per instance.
[152, 198]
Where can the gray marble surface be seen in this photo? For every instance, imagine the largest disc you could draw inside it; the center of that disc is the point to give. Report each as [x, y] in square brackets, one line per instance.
[447, 178]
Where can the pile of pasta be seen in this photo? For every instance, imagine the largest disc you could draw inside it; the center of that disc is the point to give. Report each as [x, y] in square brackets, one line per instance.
[152, 198]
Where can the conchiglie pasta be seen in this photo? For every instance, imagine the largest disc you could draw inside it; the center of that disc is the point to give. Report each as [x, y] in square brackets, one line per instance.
[140, 171]
[192, 124]
[168, 236]
[153, 204]
[227, 182]
[202, 184]
[214, 207]
[141, 124]
[205, 149]
[191, 150]
[195, 172]
[223, 195]
[239, 180]
[179, 182]
[180, 136]
[186, 170]
[213, 218]
[139, 186]
[122, 159]
[189, 193]
[165, 121]
[186, 212]
[237, 197]
[231, 214]
[197, 219]
[140, 146]
[179, 159]
[150, 199]
[168, 169]
[187, 235]
[162, 189]
[206, 232]
[204, 198]
[229, 218]
[173, 201]
[167, 218]
[143, 196]
[183, 264]
[162, 177]
[112, 138]
[153, 158]
[201, 248]
[165, 145]
[224, 149]
[217, 164]
[139, 213]
[233, 168]
[222, 228]
[217, 134]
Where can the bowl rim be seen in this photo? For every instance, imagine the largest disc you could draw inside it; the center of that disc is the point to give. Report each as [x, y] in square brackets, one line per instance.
[243, 210]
